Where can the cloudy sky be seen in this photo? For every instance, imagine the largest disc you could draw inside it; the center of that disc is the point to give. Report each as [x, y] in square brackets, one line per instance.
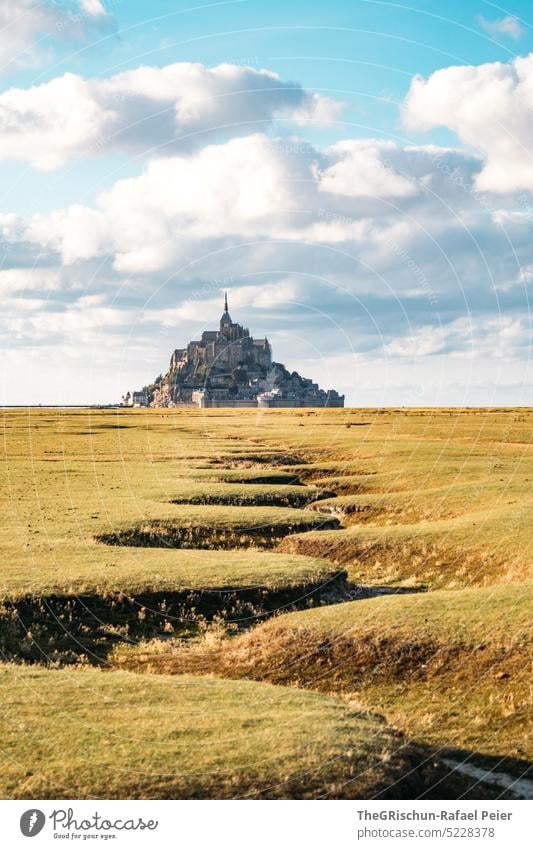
[358, 175]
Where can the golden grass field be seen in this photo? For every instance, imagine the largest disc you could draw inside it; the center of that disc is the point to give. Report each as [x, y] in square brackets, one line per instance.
[368, 569]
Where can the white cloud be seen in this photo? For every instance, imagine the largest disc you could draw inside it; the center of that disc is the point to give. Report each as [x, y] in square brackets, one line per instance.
[247, 204]
[78, 233]
[508, 26]
[266, 296]
[473, 336]
[160, 110]
[93, 8]
[16, 280]
[305, 246]
[361, 171]
[490, 107]
[420, 343]
[81, 321]
[240, 188]
[318, 109]
[251, 189]
[29, 29]
[367, 244]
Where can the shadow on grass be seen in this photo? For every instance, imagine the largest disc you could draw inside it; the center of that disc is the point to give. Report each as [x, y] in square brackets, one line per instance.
[85, 628]
[511, 777]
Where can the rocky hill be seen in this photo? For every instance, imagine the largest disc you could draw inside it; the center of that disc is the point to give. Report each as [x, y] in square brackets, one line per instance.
[229, 368]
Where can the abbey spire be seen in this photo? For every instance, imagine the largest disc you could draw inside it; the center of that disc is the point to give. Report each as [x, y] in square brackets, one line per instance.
[226, 318]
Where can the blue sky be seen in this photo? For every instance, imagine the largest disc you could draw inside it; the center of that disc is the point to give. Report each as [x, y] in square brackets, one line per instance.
[359, 179]
[361, 51]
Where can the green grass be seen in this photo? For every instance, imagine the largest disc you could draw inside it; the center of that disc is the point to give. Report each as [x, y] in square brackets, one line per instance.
[429, 504]
[70, 479]
[498, 616]
[100, 570]
[207, 526]
[450, 668]
[241, 495]
[250, 476]
[87, 734]
[479, 549]
[447, 505]
[450, 488]
[74, 616]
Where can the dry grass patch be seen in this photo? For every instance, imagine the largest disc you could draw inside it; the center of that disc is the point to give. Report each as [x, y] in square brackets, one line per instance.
[248, 495]
[216, 527]
[447, 497]
[453, 500]
[80, 606]
[98, 570]
[450, 668]
[248, 476]
[484, 548]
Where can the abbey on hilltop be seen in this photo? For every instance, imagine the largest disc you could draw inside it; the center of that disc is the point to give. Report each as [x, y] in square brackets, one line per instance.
[228, 368]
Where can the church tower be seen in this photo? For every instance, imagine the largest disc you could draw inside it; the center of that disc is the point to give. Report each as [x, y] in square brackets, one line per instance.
[225, 321]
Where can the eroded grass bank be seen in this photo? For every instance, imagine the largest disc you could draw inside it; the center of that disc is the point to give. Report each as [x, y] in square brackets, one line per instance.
[433, 500]
[450, 668]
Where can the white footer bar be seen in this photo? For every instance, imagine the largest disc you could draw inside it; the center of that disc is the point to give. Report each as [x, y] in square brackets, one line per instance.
[265, 824]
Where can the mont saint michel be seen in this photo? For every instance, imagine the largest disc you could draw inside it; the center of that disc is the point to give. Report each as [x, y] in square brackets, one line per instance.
[229, 368]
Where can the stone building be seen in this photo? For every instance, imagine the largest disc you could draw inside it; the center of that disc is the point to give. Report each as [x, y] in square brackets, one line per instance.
[229, 368]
